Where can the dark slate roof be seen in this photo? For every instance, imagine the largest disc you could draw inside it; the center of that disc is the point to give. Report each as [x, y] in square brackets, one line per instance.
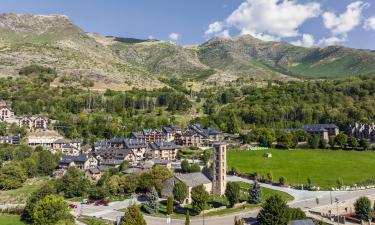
[132, 171]
[189, 133]
[111, 162]
[94, 170]
[212, 131]
[102, 168]
[163, 145]
[69, 158]
[193, 179]
[59, 141]
[319, 126]
[302, 222]
[75, 141]
[132, 143]
[112, 152]
[171, 128]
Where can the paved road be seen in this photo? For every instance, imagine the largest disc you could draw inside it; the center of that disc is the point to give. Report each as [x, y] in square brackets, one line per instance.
[302, 199]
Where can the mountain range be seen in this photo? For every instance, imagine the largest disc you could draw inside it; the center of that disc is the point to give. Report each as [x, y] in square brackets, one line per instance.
[54, 41]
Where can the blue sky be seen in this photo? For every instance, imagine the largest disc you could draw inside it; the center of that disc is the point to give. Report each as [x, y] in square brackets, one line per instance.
[301, 22]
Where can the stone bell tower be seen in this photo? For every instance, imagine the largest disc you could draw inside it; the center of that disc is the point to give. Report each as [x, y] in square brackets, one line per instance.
[219, 167]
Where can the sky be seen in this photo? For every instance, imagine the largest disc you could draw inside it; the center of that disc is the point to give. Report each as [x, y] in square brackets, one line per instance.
[300, 22]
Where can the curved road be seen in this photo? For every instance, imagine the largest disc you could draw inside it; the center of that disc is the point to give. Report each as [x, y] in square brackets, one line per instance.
[302, 199]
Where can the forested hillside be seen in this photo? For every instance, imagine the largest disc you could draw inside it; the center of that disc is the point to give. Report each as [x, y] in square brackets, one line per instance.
[80, 112]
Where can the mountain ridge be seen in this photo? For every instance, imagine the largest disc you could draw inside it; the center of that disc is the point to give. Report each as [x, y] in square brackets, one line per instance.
[55, 41]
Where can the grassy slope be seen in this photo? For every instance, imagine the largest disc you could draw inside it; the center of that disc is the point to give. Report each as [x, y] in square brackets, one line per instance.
[20, 195]
[10, 220]
[323, 167]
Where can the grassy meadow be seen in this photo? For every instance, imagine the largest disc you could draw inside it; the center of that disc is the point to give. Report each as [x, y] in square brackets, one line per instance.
[323, 167]
[10, 220]
[20, 195]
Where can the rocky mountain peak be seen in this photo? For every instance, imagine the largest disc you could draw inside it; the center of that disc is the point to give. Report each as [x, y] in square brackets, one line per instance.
[40, 24]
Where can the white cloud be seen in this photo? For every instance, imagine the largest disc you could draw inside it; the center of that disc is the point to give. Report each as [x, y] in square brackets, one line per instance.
[268, 19]
[340, 25]
[333, 40]
[347, 21]
[174, 36]
[214, 28]
[151, 37]
[306, 41]
[370, 23]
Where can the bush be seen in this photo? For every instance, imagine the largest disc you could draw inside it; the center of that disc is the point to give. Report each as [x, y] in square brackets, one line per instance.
[232, 193]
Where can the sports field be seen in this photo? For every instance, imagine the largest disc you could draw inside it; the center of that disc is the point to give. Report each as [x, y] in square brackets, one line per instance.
[323, 167]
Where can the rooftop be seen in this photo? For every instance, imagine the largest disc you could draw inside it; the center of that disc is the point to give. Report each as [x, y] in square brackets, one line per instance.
[193, 179]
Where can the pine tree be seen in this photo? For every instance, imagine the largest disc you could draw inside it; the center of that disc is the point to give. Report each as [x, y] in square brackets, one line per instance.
[133, 216]
[152, 206]
[255, 194]
[170, 205]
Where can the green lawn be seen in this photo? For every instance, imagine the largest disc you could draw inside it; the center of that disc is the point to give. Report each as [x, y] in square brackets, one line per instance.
[266, 192]
[10, 220]
[323, 167]
[20, 195]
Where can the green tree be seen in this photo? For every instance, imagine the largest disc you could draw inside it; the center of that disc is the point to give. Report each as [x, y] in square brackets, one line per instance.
[255, 194]
[313, 141]
[364, 143]
[133, 216]
[285, 140]
[232, 192]
[30, 166]
[185, 166]
[152, 205]
[50, 210]
[47, 162]
[194, 168]
[199, 195]
[323, 143]
[131, 183]
[73, 183]
[352, 142]
[170, 205]
[282, 181]
[47, 189]
[274, 211]
[341, 140]
[331, 142]
[124, 165]
[206, 156]
[180, 192]
[296, 214]
[158, 175]
[363, 208]
[12, 176]
[98, 192]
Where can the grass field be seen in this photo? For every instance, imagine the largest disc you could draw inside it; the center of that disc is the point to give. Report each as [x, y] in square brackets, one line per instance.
[323, 167]
[20, 195]
[10, 220]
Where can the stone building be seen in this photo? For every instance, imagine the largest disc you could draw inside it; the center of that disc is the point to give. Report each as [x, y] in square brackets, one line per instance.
[219, 169]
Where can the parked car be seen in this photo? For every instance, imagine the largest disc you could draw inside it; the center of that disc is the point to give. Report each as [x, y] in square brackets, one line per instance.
[72, 206]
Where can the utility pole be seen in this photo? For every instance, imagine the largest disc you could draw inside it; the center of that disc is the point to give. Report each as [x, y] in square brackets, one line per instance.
[337, 202]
